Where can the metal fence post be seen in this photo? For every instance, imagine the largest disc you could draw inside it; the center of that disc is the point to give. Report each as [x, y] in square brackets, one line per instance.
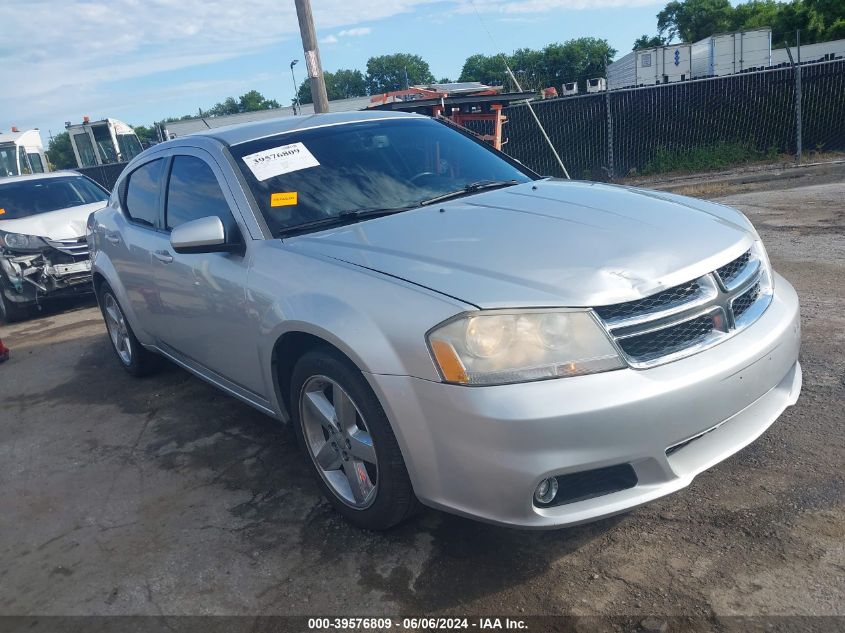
[610, 166]
[798, 139]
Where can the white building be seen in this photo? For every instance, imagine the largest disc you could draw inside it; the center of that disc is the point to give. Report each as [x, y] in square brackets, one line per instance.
[189, 126]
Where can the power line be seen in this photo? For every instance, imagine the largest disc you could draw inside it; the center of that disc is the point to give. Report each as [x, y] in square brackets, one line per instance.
[519, 88]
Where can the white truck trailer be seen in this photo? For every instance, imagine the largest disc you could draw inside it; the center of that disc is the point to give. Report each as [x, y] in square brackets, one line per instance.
[823, 51]
[22, 153]
[102, 142]
[732, 53]
[650, 66]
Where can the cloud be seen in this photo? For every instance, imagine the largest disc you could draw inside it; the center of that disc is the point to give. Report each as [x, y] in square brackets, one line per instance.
[511, 7]
[329, 39]
[356, 32]
[60, 68]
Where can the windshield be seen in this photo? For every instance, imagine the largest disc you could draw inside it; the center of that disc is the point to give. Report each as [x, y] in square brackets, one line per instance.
[8, 160]
[316, 174]
[22, 199]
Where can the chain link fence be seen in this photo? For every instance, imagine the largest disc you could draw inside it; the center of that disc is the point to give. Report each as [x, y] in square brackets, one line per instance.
[687, 125]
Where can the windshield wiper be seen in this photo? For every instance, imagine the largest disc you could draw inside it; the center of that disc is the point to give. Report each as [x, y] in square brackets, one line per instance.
[473, 187]
[344, 217]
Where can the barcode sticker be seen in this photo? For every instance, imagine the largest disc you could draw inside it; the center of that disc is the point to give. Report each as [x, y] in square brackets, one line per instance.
[280, 160]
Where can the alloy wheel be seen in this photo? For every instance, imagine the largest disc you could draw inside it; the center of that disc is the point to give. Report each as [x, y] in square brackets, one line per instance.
[339, 442]
[118, 331]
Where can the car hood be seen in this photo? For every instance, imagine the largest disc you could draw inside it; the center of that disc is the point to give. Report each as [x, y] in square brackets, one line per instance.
[547, 243]
[64, 224]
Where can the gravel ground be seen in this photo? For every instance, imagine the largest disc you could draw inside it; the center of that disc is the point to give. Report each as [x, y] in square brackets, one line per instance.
[164, 496]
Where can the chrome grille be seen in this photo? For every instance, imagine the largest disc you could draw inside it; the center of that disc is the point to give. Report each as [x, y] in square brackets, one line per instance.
[77, 246]
[729, 272]
[674, 296]
[685, 319]
[651, 345]
[744, 301]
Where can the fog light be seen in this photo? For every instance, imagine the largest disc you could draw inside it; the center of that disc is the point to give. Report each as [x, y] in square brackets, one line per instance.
[546, 490]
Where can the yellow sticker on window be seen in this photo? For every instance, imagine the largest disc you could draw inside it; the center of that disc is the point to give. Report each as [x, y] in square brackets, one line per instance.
[2, 211]
[283, 199]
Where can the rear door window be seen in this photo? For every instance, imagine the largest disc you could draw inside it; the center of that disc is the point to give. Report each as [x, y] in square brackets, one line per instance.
[142, 192]
[193, 193]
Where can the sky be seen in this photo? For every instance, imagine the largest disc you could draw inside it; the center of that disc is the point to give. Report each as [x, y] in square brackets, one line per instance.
[143, 60]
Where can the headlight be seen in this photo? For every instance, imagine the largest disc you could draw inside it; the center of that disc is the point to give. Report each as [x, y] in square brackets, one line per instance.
[20, 242]
[503, 346]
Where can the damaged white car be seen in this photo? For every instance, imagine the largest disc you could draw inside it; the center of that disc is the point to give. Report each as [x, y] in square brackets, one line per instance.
[43, 249]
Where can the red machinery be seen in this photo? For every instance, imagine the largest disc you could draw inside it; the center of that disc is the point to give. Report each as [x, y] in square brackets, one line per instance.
[462, 103]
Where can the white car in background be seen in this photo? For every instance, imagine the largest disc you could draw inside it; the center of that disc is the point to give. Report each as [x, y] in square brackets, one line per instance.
[43, 250]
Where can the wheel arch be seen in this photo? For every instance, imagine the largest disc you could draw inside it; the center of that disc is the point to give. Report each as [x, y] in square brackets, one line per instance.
[289, 347]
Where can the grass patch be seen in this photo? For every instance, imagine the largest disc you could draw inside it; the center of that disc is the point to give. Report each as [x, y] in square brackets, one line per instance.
[706, 158]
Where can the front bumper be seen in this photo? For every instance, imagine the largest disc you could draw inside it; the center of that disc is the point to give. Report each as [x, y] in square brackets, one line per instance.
[30, 277]
[481, 451]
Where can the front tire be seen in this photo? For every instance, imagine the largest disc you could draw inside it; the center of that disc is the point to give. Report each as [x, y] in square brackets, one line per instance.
[134, 357]
[344, 431]
[11, 311]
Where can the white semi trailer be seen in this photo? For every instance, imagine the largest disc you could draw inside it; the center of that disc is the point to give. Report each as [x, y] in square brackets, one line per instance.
[102, 142]
[732, 53]
[822, 51]
[22, 153]
[650, 66]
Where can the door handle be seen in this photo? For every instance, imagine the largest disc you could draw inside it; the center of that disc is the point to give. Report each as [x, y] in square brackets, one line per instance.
[163, 256]
[114, 239]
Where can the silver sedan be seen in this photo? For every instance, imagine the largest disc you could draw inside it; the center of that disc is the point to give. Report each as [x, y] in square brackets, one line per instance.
[440, 324]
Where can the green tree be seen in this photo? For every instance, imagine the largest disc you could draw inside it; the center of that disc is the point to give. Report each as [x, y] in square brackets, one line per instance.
[396, 72]
[348, 83]
[573, 60]
[645, 41]
[254, 100]
[341, 84]
[227, 106]
[60, 152]
[576, 60]
[488, 69]
[145, 134]
[530, 67]
[692, 20]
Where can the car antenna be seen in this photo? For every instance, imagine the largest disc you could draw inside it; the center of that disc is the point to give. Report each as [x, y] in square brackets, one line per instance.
[519, 88]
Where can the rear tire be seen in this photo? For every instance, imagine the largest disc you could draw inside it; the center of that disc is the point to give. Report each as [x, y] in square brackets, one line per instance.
[11, 311]
[355, 458]
[133, 357]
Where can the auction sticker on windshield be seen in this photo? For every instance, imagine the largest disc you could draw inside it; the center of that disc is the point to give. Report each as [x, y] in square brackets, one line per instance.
[283, 199]
[280, 160]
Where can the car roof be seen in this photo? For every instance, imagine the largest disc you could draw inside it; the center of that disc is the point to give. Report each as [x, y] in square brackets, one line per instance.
[243, 132]
[52, 174]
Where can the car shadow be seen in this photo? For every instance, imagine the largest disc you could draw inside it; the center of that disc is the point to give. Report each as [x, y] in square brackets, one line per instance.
[432, 562]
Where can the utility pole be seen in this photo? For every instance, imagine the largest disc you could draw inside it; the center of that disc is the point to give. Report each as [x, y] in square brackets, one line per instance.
[312, 55]
[799, 142]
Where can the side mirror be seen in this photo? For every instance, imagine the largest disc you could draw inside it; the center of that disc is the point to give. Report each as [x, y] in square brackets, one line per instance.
[205, 235]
